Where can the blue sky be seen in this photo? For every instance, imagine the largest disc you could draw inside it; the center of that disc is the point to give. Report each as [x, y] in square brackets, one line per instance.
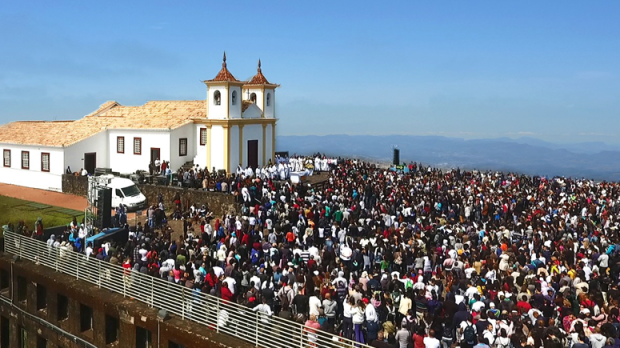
[471, 69]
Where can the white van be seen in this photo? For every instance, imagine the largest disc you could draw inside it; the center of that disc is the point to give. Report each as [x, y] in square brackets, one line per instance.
[126, 192]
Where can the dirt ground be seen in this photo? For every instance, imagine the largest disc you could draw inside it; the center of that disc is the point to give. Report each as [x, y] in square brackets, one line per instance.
[58, 199]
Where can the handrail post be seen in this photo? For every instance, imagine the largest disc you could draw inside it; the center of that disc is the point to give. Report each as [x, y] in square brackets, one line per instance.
[20, 247]
[183, 303]
[257, 329]
[301, 337]
[152, 292]
[77, 269]
[99, 274]
[217, 316]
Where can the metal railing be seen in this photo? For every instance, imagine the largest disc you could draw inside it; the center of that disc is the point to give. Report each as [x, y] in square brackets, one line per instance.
[217, 314]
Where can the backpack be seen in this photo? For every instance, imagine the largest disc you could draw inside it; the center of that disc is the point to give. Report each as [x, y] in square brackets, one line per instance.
[469, 334]
[283, 296]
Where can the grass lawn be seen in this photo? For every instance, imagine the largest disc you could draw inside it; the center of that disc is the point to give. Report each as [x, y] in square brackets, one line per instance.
[13, 210]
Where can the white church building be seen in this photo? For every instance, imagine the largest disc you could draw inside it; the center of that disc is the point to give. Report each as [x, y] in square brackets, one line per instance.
[234, 125]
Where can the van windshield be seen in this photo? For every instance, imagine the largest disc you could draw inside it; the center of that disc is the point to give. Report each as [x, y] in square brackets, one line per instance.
[131, 191]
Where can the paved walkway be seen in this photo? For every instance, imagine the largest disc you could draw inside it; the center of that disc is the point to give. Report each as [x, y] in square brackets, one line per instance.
[58, 199]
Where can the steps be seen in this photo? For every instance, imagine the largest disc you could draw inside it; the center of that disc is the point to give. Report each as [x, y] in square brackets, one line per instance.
[188, 165]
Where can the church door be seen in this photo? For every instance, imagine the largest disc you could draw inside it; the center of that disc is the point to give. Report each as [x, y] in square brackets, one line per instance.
[253, 153]
[155, 154]
[90, 162]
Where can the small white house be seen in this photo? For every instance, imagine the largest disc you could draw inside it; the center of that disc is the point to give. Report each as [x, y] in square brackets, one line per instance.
[234, 125]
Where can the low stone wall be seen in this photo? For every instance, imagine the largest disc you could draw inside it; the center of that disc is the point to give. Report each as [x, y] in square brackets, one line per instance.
[219, 203]
[75, 185]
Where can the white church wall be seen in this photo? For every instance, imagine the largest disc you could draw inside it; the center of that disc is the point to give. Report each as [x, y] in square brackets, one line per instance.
[235, 110]
[268, 110]
[252, 132]
[33, 176]
[217, 147]
[252, 112]
[129, 162]
[200, 157]
[184, 132]
[259, 96]
[98, 144]
[268, 143]
[217, 112]
[234, 147]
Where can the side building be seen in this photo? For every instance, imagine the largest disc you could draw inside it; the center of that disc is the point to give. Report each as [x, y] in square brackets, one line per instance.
[234, 125]
[44, 309]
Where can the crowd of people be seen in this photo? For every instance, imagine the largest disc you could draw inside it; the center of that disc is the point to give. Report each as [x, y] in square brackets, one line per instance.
[417, 258]
[278, 170]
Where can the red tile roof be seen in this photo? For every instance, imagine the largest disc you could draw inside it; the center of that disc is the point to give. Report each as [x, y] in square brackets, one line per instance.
[259, 78]
[224, 74]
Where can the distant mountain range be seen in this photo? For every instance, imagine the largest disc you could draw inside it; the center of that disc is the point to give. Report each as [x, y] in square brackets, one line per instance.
[595, 160]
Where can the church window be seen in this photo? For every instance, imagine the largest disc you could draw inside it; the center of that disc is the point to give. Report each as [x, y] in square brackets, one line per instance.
[203, 136]
[268, 99]
[25, 159]
[120, 144]
[137, 146]
[7, 158]
[253, 98]
[45, 161]
[183, 147]
[217, 98]
[234, 98]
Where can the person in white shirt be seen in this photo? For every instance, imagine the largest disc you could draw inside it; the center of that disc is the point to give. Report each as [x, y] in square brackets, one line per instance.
[89, 250]
[603, 262]
[218, 271]
[314, 304]
[264, 310]
[430, 341]
[256, 280]
[478, 306]
[82, 232]
[166, 266]
[488, 334]
[471, 291]
[231, 282]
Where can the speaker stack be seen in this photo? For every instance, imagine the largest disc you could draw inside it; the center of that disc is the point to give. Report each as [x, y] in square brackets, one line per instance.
[104, 208]
[396, 157]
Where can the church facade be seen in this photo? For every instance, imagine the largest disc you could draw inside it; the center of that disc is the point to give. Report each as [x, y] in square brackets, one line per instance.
[234, 125]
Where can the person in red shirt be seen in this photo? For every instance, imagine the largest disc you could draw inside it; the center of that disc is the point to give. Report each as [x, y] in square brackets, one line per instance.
[290, 237]
[227, 295]
[418, 338]
[127, 271]
[523, 306]
[127, 265]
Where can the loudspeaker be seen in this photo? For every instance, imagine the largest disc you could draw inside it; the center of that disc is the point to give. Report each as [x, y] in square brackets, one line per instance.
[163, 315]
[396, 157]
[104, 208]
